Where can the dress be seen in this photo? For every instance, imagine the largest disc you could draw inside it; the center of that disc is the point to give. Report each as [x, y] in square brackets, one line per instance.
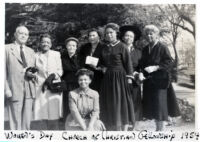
[48, 105]
[155, 98]
[86, 105]
[135, 88]
[70, 67]
[116, 103]
[86, 50]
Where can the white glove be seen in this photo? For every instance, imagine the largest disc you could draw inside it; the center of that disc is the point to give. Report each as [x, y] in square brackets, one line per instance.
[141, 77]
[135, 73]
[151, 69]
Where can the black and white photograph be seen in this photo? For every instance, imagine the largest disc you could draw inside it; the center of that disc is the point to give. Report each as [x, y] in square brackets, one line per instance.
[100, 67]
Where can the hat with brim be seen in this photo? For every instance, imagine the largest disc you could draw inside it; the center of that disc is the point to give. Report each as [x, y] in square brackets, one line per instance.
[134, 28]
[71, 39]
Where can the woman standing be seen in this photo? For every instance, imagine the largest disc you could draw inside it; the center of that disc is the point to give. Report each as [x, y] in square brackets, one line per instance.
[93, 49]
[130, 34]
[70, 64]
[155, 63]
[117, 107]
[84, 105]
[48, 105]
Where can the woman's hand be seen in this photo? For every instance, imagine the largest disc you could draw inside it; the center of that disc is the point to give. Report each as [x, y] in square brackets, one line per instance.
[151, 69]
[104, 69]
[57, 77]
[130, 81]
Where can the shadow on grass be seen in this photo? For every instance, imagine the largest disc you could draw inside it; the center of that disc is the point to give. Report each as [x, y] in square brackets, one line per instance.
[191, 86]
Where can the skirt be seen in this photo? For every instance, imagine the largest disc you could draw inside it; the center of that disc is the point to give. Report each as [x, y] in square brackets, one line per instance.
[70, 86]
[137, 101]
[72, 125]
[154, 102]
[115, 100]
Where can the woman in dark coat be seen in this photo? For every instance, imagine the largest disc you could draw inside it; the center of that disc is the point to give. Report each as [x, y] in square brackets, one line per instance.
[130, 34]
[155, 63]
[93, 49]
[70, 65]
[115, 96]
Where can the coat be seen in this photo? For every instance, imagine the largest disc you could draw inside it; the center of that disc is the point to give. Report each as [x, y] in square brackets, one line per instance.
[85, 51]
[48, 105]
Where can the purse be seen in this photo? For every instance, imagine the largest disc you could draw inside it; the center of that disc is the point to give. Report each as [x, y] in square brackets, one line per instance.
[56, 87]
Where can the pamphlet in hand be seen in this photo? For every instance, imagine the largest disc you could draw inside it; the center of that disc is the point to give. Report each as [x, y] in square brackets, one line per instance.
[91, 61]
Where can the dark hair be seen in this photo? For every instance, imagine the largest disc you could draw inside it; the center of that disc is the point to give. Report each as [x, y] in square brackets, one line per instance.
[113, 26]
[45, 36]
[85, 71]
[94, 30]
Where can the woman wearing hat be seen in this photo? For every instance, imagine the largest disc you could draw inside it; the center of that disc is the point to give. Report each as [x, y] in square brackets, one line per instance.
[93, 49]
[116, 103]
[129, 35]
[70, 65]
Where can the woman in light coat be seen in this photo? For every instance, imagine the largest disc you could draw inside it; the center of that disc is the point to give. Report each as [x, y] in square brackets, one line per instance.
[48, 105]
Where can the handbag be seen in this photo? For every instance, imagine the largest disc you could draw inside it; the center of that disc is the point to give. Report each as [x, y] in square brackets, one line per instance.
[56, 87]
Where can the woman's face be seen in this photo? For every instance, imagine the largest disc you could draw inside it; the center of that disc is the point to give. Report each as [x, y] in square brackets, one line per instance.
[45, 44]
[93, 37]
[129, 37]
[84, 81]
[151, 36]
[71, 47]
[111, 35]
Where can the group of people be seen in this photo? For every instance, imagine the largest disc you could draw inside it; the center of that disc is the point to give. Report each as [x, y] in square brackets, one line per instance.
[103, 81]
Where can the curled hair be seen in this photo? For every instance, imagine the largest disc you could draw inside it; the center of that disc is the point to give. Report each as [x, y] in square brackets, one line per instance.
[85, 71]
[112, 26]
[45, 36]
[94, 30]
[152, 28]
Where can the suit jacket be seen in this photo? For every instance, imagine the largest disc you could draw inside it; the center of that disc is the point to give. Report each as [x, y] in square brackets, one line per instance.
[15, 82]
[86, 50]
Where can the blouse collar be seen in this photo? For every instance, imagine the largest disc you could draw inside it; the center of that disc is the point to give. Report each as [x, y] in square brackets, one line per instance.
[85, 93]
[113, 44]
